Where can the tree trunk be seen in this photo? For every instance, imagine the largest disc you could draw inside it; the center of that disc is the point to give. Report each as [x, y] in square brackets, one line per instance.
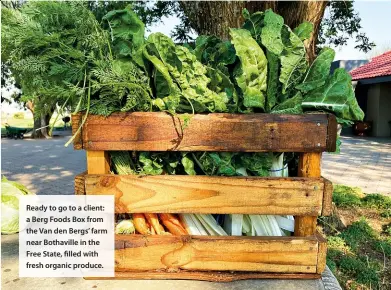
[42, 122]
[216, 17]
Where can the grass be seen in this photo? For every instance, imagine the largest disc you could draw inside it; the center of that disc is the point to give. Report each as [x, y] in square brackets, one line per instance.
[27, 123]
[348, 197]
[359, 255]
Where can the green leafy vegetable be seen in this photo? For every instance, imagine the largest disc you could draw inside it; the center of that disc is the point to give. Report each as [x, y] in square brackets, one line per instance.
[304, 30]
[290, 106]
[251, 73]
[10, 193]
[272, 80]
[318, 71]
[213, 51]
[271, 32]
[293, 61]
[336, 96]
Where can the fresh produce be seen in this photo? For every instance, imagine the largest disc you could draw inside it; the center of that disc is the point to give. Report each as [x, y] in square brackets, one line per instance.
[10, 193]
[125, 227]
[173, 224]
[154, 222]
[141, 225]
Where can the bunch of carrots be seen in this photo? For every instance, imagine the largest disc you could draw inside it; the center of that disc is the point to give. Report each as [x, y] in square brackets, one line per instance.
[158, 224]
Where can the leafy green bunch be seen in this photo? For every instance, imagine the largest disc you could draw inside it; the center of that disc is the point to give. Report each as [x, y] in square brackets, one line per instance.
[49, 47]
[262, 69]
[192, 163]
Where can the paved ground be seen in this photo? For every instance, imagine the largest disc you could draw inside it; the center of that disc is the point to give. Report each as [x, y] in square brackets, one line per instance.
[43, 166]
[363, 162]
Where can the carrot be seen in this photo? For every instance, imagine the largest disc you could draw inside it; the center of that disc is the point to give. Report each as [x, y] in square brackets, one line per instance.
[140, 224]
[154, 222]
[172, 224]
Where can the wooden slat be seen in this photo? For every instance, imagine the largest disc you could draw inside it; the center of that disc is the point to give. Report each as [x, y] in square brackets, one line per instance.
[327, 207]
[309, 166]
[212, 276]
[332, 133]
[76, 121]
[148, 131]
[98, 162]
[207, 194]
[79, 183]
[322, 253]
[262, 254]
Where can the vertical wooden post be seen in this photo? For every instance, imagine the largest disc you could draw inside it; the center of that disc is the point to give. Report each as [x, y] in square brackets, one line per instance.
[98, 162]
[309, 166]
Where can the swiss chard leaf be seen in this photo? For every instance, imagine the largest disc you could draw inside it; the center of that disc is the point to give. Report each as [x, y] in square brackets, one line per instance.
[166, 89]
[272, 80]
[251, 72]
[188, 165]
[336, 96]
[318, 71]
[193, 82]
[265, 28]
[253, 23]
[271, 32]
[293, 61]
[290, 106]
[213, 51]
[304, 30]
[221, 84]
[127, 34]
[150, 164]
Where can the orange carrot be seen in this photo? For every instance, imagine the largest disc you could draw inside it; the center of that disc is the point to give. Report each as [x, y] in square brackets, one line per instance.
[140, 224]
[154, 222]
[172, 224]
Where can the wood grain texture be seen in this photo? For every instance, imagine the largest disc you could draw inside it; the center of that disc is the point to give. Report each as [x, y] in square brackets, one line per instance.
[98, 162]
[309, 166]
[207, 194]
[322, 253]
[327, 207]
[158, 131]
[332, 128]
[76, 121]
[209, 253]
[212, 276]
[79, 183]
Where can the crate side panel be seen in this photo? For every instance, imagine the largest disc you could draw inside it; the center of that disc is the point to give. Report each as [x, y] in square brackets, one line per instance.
[165, 253]
[207, 194]
[156, 131]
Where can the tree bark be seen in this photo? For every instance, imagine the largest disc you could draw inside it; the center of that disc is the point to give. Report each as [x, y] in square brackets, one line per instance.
[216, 17]
[42, 122]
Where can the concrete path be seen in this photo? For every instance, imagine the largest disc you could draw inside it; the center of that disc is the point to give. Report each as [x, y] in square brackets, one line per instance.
[43, 166]
[363, 162]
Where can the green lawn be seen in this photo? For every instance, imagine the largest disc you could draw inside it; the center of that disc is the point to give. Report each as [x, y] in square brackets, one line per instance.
[27, 123]
[359, 252]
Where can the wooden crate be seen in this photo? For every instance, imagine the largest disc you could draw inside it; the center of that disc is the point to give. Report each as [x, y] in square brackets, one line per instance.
[213, 258]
